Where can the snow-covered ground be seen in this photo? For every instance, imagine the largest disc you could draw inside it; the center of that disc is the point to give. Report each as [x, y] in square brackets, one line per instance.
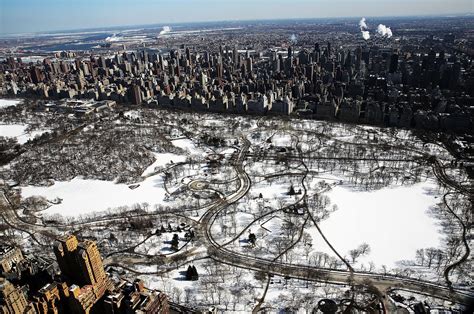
[283, 140]
[12, 130]
[9, 102]
[272, 191]
[188, 145]
[162, 160]
[18, 131]
[132, 114]
[395, 222]
[82, 197]
[183, 143]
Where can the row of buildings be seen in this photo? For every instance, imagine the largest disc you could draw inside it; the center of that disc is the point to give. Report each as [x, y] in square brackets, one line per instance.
[408, 86]
[77, 284]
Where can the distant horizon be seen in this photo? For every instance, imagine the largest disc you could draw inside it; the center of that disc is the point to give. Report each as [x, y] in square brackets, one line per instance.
[95, 29]
[33, 17]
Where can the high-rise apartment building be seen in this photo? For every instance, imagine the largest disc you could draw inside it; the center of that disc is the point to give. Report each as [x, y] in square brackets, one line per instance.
[82, 267]
[12, 299]
[9, 256]
[79, 262]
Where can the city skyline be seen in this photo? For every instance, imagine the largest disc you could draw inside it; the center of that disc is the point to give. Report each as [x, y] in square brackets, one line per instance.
[27, 16]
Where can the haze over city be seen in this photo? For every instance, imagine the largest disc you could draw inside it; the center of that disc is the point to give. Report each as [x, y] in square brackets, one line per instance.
[20, 16]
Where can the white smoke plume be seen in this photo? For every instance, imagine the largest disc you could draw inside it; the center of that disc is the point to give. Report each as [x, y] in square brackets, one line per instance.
[293, 39]
[366, 35]
[165, 30]
[363, 29]
[113, 38]
[383, 31]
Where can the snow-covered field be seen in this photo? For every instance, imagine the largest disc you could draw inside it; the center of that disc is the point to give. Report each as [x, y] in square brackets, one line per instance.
[9, 102]
[18, 131]
[162, 160]
[12, 130]
[183, 143]
[189, 146]
[82, 197]
[395, 222]
[282, 140]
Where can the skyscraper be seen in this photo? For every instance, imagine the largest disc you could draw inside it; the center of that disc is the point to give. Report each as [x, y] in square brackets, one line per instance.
[136, 95]
[80, 262]
[9, 256]
[188, 55]
[220, 68]
[101, 62]
[36, 75]
[393, 63]
[12, 300]
[236, 56]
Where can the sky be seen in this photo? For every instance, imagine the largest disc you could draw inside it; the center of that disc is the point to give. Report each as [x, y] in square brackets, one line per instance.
[24, 16]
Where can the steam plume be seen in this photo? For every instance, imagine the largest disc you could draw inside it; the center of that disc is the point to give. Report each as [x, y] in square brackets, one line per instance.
[366, 35]
[363, 29]
[113, 38]
[383, 31]
[293, 39]
[165, 30]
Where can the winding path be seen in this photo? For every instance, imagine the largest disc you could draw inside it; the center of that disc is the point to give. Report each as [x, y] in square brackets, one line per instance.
[384, 283]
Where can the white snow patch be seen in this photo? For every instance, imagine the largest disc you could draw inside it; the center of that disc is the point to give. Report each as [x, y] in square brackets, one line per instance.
[188, 145]
[162, 160]
[132, 114]
[183, 143]
[393, 221]
[19, 131]
[270, 191]
[82, 197]
[284, 140]
[9, 102]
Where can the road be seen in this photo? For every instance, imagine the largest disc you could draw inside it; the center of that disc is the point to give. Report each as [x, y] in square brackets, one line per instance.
[384, 283]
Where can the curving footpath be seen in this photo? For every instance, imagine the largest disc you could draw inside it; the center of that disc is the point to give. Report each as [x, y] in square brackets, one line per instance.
[383, 283]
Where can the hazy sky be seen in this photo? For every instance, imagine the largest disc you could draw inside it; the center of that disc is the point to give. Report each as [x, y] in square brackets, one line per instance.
[17, 16]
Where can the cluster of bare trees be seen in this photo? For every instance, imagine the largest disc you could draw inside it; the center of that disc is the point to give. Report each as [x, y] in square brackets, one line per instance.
[361, 250]
[430, 257]
[220, 286]
[105, 151]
